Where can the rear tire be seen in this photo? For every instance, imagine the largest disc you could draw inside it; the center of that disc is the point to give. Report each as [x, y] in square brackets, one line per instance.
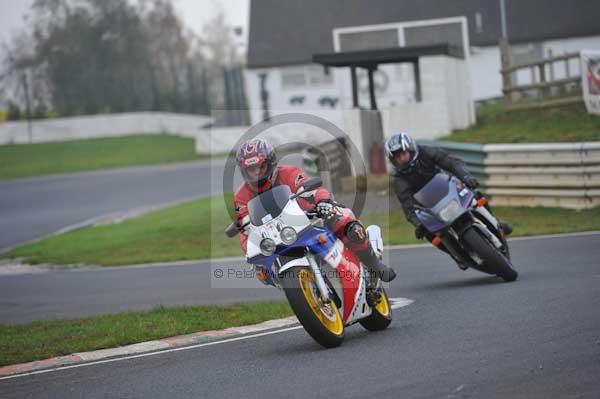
[490, 255]
[381, 317]
[323, 322]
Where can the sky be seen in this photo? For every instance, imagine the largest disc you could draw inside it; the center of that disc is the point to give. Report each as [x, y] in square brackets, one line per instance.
[195, 13]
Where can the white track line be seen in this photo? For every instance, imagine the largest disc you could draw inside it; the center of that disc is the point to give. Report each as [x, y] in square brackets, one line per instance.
[562, 235]
[398, 303]
[526, 238]
[151, 353]
[395, 303]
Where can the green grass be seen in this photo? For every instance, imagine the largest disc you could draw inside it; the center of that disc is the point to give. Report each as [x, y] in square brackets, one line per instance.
[25, 160]
[559, 124]
[45, 339]
[195, 231]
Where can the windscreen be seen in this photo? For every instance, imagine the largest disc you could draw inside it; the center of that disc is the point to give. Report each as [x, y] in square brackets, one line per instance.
[434, 191]
[270, 203]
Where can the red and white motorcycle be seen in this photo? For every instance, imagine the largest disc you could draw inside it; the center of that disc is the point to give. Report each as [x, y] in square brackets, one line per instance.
[324, 282]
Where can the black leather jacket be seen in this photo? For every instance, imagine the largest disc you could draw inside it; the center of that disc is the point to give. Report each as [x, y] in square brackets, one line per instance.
[429, 162]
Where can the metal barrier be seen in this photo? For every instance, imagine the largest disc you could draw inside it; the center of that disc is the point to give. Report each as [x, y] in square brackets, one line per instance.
[472, 154]
[565, 175]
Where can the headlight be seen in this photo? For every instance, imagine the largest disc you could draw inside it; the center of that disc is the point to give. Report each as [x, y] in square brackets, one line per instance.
[288, 235]
[267, 246]
[451, 212]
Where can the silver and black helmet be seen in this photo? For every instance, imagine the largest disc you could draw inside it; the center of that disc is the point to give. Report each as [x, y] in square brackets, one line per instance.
[401, 142]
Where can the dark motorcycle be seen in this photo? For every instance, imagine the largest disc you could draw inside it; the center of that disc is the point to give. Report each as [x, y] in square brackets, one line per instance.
[461, 224]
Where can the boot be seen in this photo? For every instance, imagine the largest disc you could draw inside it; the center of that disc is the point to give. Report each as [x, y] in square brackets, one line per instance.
[374, 265]
[506, 227]
[461, 265]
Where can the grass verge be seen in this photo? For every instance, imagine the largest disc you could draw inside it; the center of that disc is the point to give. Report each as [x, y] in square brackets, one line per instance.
[558, 124]
[25, 160]
[195, 231]
[46, 339]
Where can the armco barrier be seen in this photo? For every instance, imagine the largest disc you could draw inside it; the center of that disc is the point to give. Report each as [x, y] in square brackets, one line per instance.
[564, 175]
[472, 154]
[562, 154]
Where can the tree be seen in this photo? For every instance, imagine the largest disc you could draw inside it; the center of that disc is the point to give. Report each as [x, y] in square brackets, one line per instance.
[92, 56]
[219, 47]
[169, 51]
[14, 112]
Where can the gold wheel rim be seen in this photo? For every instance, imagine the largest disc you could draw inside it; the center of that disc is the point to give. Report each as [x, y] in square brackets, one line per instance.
[383, 307]
[328, 314]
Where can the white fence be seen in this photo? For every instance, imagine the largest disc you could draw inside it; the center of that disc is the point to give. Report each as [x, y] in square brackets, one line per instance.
[97, 126]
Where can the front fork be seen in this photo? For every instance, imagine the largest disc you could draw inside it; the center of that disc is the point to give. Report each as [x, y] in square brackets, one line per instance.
[321, 285]
[452, 237]
[452, 243]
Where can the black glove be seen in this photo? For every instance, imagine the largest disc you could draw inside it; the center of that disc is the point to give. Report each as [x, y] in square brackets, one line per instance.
[325, 209]
[420, 232]
[471, 182]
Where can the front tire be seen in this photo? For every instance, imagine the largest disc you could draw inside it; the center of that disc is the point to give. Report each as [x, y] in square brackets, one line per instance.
[491, 256]
[381, 316]
[323, 322]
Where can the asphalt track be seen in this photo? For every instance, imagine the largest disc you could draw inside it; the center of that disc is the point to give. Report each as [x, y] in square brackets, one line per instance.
[32, 208]
[466, 335]
[71, 294]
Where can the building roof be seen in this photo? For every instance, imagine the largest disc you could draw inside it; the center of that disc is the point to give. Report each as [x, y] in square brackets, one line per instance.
[372, 58]
[291, 32]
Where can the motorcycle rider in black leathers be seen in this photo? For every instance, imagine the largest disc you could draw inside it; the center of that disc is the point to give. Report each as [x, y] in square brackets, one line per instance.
[414, 166]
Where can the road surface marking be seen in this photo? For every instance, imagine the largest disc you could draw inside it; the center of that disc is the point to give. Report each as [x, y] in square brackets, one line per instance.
[398, 303]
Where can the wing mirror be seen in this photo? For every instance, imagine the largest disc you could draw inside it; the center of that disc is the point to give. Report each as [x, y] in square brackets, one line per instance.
[311, 184]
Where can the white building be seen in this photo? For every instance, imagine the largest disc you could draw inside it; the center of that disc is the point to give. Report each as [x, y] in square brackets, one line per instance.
[285, 35]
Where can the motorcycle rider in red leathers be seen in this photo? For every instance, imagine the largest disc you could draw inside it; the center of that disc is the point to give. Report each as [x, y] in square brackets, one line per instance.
[258, 164]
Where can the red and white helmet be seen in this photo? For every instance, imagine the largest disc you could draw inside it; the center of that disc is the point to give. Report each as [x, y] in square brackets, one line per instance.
[257, 161]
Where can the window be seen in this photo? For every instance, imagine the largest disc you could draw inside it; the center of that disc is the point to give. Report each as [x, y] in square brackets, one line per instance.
[318, 77]
[403, 34]
[478, 23]
[434, 34]
[293, 77]
[298, 77]
[376, 39]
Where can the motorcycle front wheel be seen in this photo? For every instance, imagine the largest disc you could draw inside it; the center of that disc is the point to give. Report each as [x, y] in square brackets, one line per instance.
[490, 255]
[322, 321]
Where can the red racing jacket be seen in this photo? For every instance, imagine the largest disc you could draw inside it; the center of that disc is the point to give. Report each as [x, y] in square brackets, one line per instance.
[293, 177]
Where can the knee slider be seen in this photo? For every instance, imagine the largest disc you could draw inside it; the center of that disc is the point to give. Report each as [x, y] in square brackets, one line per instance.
[355, 232]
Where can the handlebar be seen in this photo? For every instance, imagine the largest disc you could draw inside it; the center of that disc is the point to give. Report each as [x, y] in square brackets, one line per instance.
[234, 228]
[312, 214]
